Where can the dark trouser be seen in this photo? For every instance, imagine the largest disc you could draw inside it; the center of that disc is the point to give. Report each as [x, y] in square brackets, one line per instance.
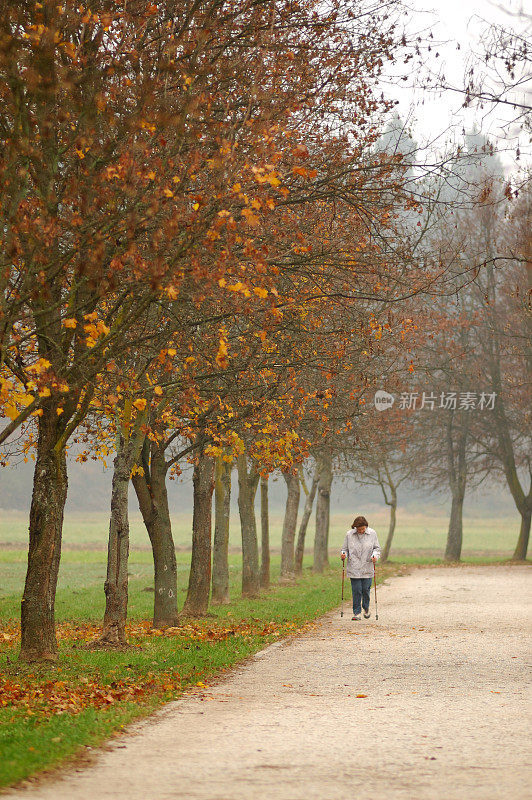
[360, 588]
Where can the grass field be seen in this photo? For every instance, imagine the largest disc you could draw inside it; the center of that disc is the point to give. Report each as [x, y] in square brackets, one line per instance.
[414, 531]
[418, 538]
[51, 713]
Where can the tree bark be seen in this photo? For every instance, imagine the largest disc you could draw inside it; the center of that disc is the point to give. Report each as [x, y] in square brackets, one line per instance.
[521, 548]
[522, 501]
[247, 487]
[506, 451]
[453, 549]
[307, 511]
[391, 528]
[289, 528]
[457, 468]
[150, 489]
[265, 533]
[220, 555]
[199, 583]
[323, 505]
[116, 584]
[45, 531]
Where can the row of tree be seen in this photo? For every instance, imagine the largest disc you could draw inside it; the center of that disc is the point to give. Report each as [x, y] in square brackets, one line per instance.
[210, 251]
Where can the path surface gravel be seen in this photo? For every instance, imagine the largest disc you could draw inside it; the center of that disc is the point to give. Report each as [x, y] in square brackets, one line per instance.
[445, 716]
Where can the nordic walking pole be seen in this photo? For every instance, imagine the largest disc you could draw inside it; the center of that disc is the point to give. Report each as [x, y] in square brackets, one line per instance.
[375, 585]
[343, 573]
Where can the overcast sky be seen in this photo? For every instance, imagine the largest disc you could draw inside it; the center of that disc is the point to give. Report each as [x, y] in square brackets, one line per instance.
[461, 22]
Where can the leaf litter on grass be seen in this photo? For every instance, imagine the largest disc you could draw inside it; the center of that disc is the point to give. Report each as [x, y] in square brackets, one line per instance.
[29, 693]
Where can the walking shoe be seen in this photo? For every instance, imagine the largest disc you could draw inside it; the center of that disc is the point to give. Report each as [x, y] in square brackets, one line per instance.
[367, 614]
[356, 616]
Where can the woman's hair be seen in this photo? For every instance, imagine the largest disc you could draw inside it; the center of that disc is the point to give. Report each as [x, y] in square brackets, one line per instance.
[359, 521]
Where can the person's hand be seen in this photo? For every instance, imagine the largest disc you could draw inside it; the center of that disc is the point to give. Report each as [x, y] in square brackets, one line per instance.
[343, 556]
[374, 559]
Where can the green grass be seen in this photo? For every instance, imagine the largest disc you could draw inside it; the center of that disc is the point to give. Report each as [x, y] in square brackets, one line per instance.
[31, 742]
[415, 531]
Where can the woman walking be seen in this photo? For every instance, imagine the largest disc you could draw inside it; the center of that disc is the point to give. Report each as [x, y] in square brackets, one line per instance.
[362, 549]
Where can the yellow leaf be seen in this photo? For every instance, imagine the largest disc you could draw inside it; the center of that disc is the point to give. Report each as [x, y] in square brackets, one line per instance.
[158, 390]
[151, 175]
[251, 218]
[171, 292]
[221, 356]
[272, 179]
[10, 411]
[195, 206]
[168, 193]
[140, 404]
[24, 399]
[260, 292]
[70, 322]
[40, 366]
[176, 179]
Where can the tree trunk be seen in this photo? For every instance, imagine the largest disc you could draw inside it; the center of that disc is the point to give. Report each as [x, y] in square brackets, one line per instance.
[220, 555]
[247, 487]
[521, 549]
[199, 584]
[45, 532]
[307, 511]
[522, 501]
[505, 451]
[150, 488]
[391, 528]
[453, 549]
[457, 481]
[289, 528]
[265, 533]
[323, 505]
[116, 584]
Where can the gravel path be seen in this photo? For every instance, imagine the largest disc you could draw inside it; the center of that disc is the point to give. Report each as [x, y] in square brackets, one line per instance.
[443, 715]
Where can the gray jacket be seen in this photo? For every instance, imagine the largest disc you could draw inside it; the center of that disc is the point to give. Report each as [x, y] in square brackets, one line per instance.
[359, 548]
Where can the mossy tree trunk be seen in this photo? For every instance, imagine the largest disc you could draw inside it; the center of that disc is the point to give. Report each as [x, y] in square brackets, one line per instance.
[199, 584]
[265, 532]
[323, 506]
[220, 554]
[307, 511]
[38, 639]
[247, 488]
[289, 527]
[116, 583]
[150, 488]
